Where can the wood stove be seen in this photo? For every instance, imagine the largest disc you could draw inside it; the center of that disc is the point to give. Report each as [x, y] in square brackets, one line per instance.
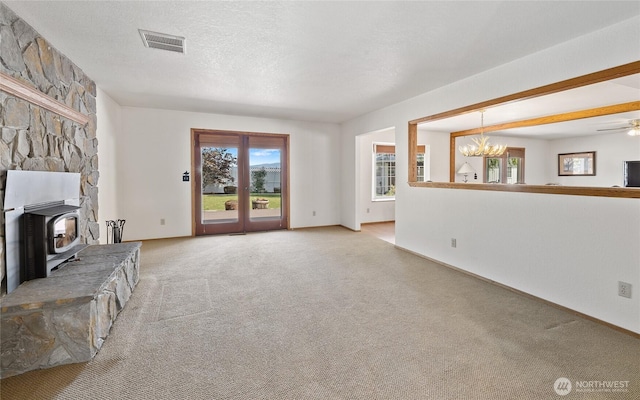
[43, 220]
[51, 237]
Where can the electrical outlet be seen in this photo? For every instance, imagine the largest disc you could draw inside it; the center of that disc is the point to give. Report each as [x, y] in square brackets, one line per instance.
[453, 242]
[624, 289]
[161, 221]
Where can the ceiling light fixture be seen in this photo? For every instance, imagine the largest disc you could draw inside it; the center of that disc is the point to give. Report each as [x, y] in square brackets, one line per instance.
[482, 146]
[635, 128]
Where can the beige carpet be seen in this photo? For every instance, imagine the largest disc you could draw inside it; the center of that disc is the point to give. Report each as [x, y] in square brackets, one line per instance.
[330, 314]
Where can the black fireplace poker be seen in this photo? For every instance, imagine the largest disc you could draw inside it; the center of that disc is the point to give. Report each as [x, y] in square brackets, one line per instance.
[115, 229]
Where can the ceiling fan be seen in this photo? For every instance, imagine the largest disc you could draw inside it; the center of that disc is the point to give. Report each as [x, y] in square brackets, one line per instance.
[633, 128]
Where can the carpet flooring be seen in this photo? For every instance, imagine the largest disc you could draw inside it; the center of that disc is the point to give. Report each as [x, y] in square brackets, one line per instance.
[327, 313]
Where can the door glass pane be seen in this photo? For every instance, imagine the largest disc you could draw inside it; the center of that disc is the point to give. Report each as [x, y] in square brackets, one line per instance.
[420, 161]
[219, 184]
[513, 170]
[265, 173]
[494, 168]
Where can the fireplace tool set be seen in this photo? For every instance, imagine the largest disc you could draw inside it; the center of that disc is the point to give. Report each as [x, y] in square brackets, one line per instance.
[115, 230]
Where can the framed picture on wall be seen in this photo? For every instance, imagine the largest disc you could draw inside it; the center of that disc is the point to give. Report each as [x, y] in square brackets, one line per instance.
[577, 164]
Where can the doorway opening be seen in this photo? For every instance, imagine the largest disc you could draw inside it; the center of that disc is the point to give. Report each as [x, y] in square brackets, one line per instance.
[240, 182]
[382, 230]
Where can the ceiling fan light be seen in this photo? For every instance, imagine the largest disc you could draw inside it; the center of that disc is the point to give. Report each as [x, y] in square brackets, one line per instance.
[635, 131]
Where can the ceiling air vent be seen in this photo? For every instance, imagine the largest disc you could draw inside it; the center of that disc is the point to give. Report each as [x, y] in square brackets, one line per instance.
[162, 41]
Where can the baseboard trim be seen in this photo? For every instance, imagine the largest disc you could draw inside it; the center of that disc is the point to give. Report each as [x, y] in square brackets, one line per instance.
[379, 222]
[525, 294]
[349, 229]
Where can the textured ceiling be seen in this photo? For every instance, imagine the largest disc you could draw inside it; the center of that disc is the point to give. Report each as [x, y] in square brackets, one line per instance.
[317, 61]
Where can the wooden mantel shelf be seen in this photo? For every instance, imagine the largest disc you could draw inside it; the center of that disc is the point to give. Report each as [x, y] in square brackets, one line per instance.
[21, 90]
[628, 193]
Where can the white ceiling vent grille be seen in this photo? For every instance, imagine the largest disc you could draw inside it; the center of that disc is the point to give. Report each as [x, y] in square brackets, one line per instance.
[163, 41]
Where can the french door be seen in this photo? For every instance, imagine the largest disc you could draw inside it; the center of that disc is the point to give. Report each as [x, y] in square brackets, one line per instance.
[240, 182]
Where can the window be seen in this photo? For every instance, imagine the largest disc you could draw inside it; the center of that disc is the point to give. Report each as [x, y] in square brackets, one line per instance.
[384, 161]
[384, 170]
[513, 159]
[421, 167]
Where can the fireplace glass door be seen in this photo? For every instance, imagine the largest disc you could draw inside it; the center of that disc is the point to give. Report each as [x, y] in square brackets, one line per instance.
[64, 231]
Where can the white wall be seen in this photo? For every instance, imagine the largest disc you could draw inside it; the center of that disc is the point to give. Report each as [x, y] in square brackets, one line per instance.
[438, 143]
[536, 164]
[373, 211]
[570, 250]
[152, 151]
[108, 128]
[541, 158]
[611, 150]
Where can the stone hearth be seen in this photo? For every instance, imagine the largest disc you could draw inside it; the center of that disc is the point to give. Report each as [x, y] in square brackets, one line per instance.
[66, 317]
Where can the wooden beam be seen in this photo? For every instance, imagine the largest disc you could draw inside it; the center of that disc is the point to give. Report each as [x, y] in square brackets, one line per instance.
[23, 91]
[620, 192]
[584, 80]
[555, 118]
[452, 158]
[413, 152]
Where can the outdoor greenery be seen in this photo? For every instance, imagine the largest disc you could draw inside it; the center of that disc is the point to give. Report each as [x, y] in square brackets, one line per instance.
[391, 191]
[216, 201]
[493, 163]
[258, 179]
[216, 166]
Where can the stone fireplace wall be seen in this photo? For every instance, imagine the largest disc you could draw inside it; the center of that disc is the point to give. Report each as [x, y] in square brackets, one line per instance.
[33, 138]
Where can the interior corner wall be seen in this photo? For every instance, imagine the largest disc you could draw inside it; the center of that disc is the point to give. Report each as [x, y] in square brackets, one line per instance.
[109, 125]
[153, 150]
[569, 250]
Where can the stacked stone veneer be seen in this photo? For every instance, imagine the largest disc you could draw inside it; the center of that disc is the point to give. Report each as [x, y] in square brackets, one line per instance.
[66, 317]
[33, 138]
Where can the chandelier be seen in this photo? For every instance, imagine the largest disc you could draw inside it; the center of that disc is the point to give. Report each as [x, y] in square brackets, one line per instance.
[482, 146]
[635, 128]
